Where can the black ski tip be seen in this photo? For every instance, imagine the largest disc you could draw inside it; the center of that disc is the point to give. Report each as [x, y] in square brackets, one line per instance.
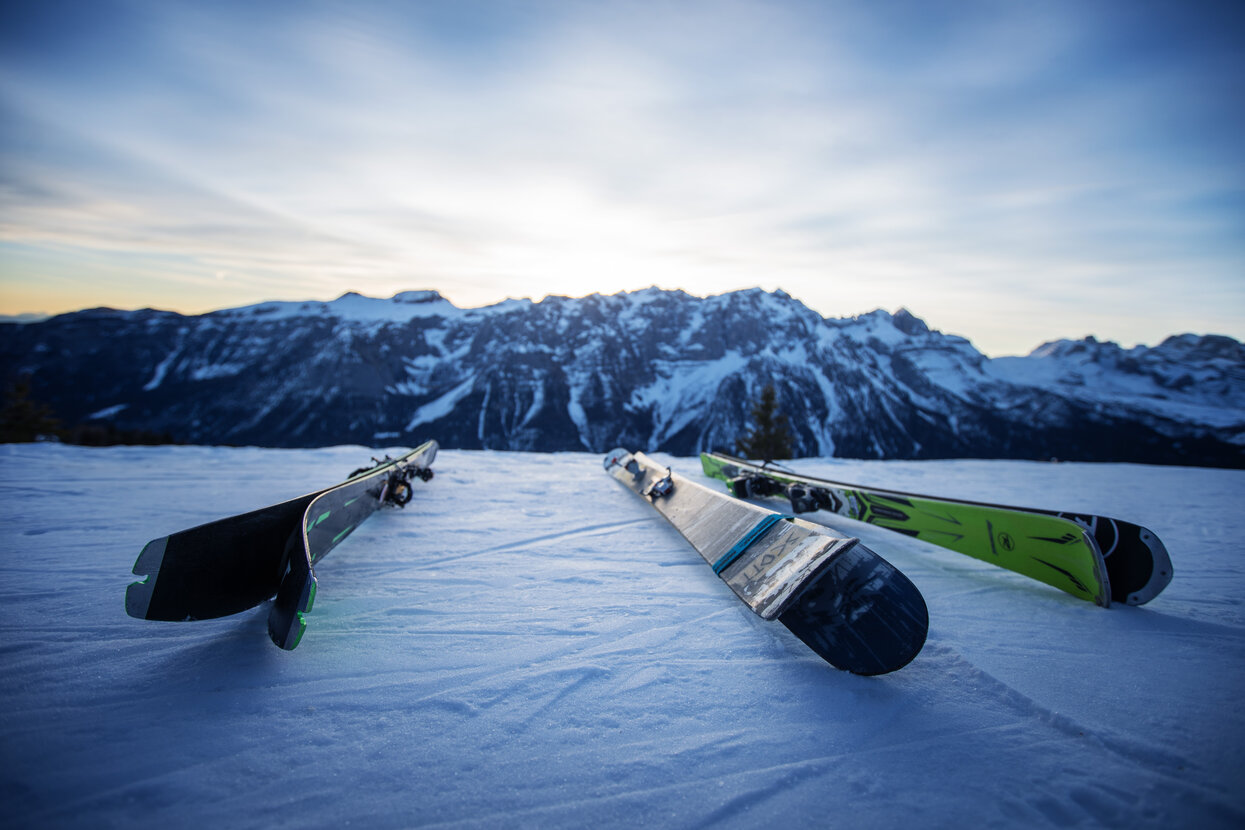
[860, 614]
[138, 594]
[1140, 566]
[1161, 570]
[286, 622]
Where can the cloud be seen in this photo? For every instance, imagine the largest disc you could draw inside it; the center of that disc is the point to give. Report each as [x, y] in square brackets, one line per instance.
[939, 156]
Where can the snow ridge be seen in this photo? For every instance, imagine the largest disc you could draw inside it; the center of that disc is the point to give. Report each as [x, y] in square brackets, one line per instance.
[650, 369]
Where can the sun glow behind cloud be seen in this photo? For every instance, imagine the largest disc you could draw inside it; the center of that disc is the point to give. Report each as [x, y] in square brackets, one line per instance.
[1010, 173]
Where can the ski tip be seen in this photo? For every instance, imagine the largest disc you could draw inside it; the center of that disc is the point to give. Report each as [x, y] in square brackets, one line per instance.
[615, 457]
[138, 597]
[860, 614]
[151, 557]
[286, 619]
[1161, 570]
[289, 635]
[138, 594]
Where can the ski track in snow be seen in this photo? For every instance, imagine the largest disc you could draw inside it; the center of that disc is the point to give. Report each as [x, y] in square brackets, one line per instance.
[528, 644]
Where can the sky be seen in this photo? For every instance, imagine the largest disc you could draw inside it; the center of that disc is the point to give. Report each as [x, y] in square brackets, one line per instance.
[1013, 172]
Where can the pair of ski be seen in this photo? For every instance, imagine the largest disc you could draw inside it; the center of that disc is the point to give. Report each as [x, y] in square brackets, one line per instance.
[849, 605]
[232, 564]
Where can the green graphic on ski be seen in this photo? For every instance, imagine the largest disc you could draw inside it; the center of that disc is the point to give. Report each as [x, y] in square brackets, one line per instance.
[235, 563]
[1091, 557]
[845, 602]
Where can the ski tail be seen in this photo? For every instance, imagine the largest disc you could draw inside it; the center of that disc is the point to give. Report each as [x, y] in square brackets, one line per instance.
[216, 569]
[1138, 565]
[860, 612]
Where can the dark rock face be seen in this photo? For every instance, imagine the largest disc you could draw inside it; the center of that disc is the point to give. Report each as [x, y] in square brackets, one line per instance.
[653, 369]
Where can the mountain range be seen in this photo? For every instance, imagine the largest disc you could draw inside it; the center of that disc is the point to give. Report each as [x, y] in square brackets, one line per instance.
[651, 369]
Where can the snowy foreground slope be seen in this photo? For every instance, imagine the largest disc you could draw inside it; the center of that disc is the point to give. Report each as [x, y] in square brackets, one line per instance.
[529, 645]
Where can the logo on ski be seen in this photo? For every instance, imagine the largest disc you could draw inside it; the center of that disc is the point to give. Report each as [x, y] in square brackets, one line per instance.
[1066, 539]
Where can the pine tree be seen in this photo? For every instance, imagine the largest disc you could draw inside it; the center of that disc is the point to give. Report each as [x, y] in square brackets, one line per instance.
[23, 420]
[770, 438]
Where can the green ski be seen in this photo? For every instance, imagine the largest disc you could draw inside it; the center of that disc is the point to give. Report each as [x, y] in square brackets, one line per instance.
[1091, 557]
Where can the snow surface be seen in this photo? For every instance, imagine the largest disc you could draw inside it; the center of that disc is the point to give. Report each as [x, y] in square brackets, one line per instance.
[528, 644]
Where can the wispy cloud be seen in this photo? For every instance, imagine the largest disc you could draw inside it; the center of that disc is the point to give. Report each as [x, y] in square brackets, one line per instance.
[1003, 170]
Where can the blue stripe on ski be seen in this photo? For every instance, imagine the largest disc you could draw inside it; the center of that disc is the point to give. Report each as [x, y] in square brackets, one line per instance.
[747, 541]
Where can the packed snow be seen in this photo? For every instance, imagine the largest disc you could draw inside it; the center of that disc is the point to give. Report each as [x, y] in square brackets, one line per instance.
[528, 644]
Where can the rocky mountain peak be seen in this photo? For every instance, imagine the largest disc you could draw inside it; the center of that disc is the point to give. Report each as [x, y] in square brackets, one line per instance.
[650, 369]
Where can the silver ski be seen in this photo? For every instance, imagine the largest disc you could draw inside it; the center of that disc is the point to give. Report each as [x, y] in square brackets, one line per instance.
[844, 601]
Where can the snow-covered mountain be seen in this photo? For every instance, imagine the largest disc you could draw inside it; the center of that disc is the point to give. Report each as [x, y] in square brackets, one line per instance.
[651, 369]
